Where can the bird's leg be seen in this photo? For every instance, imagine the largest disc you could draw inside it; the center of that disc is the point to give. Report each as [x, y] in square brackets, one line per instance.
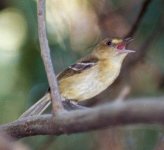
[77, 105]
[72, 105]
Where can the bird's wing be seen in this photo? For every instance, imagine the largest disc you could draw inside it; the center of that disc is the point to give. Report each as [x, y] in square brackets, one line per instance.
[83, 64]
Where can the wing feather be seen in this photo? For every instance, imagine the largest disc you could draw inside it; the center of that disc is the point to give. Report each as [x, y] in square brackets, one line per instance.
[83, 64]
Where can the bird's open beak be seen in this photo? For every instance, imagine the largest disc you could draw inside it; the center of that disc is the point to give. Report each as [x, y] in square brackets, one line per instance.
[121, 47]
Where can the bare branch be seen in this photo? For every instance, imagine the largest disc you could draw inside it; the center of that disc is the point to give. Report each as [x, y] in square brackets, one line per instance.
[45, 52]
[139, 18]
[146, 110]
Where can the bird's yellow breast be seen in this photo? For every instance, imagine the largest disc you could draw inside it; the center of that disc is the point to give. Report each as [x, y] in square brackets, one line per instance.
[89, 83]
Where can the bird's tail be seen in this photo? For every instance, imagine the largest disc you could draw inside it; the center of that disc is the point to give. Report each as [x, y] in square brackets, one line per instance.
[39, 107]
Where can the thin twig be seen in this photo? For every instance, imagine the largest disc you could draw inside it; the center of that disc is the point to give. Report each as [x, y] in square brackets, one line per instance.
[45, 53]
[134, 111]
[143, 49]
[123, 93]
[139, 18]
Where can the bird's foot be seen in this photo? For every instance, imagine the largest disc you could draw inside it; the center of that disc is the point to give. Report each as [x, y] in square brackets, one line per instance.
[72, 105]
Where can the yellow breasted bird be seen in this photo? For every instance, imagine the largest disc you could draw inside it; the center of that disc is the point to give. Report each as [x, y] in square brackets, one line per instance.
[90, 75]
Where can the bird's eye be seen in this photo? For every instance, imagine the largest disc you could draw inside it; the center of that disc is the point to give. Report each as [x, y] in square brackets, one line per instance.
[109, 43]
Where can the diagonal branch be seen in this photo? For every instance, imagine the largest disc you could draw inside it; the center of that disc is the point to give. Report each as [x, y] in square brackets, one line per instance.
[139, 18]
[45, 53]
[134, 111]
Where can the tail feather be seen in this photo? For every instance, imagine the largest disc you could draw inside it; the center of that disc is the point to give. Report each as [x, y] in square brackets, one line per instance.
[39, 107]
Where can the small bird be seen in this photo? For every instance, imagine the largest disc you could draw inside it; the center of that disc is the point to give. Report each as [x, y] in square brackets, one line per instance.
[90, 75]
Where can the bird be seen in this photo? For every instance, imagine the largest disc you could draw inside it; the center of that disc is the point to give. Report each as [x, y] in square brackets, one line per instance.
[89, 76]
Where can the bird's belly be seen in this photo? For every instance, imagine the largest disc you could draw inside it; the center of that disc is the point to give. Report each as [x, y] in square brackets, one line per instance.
[86, 87]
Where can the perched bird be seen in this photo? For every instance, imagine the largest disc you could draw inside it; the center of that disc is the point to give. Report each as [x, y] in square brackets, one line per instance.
[90, 75]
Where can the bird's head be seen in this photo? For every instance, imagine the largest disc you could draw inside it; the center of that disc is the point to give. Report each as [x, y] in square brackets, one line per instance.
[115, 48]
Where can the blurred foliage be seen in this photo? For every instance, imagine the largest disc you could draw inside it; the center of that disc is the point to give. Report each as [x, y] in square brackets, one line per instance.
[74, 27]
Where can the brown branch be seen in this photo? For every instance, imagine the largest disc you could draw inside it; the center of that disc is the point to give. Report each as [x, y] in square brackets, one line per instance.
[139, 18]
[146, 110]
[45, 53]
